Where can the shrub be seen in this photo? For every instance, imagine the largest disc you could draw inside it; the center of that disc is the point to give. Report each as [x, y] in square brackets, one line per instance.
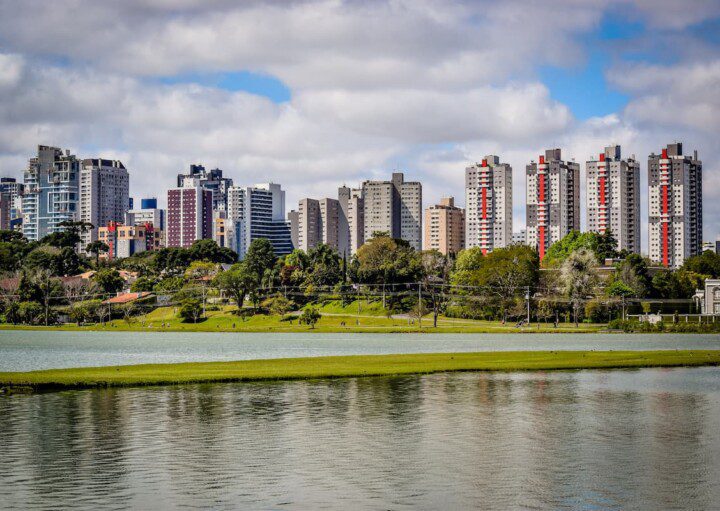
[310, 317]
[191, 310]
[277, 305]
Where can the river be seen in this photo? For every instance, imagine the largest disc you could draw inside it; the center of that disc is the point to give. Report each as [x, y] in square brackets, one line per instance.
[622, 439]
[27, 350]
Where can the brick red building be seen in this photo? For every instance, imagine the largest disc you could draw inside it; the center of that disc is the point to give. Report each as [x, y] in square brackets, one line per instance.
[189, 215]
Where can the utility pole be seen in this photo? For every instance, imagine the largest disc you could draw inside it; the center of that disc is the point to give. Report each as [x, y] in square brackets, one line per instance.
[420, 304]
[527, 298]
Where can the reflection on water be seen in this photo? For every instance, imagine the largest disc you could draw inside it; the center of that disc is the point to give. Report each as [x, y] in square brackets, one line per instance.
[646, 439]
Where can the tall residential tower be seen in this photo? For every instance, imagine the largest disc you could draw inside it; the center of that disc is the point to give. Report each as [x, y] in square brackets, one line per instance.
[613, 197]
[394, 207]
[553, 200]
[488, 204]
[104, 194]
[675, 206]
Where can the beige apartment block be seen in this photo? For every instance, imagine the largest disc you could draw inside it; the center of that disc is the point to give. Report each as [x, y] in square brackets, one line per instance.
[445, 227]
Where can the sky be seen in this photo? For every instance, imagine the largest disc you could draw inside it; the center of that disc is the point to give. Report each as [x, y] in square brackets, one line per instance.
[317, 94]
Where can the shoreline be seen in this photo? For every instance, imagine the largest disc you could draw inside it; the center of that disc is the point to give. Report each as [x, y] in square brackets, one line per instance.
[346, 367]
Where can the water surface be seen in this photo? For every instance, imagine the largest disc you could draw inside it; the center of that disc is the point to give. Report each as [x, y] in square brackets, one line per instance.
[631, 439]
[27, 350]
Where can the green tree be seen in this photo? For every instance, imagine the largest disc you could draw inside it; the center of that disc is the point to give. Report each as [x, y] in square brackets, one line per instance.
[70, 236]
[324, 266]
[579, 277]
[260, 257]
[191, 310]
[310, 317]
[237, 282]
[108, 280]
[384, 260]
[30, 313]
[142, 284]
[707, 263]
[601, 245]
[632, 273]
[209, 251]
[97, 247]
[13, 249]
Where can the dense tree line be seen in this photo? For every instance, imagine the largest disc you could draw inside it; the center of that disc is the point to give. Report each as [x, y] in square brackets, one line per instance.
[499, 285]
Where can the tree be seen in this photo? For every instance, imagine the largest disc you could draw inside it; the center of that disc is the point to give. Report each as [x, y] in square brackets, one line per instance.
[191, 310]
[579, 278]
[30, 313]
[384, 260]
[324, 266]
[13, 249]
[97, 247]
[109, 280]
[49, 288]
[209, 251]
[142, 284]
[238, 282]
[633, 274]
[601, 245]
[310, 317]
[498, 278]
[707, 263]
[69, 236]
[260, 257]
[277, 305]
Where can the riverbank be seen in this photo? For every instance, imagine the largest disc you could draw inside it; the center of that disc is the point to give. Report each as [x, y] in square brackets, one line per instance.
[333, 320]
[348, 366]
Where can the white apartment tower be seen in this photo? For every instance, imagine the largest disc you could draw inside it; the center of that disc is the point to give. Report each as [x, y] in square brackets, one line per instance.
[675, 206]
[488, 204]
[394, 207]
[553, 200]
[51, 192]
[613, 197]
[104, 194]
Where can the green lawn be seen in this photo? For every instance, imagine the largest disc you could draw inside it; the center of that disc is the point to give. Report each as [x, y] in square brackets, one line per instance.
[165, 319]
[347, 366]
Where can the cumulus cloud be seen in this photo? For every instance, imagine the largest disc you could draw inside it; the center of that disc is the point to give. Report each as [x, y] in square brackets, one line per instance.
[426, 86]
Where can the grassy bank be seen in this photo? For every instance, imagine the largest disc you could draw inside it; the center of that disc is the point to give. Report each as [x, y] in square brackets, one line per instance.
[335, 367]
[335, 319]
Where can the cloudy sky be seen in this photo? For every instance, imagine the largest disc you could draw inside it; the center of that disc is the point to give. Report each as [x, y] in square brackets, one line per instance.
[314, 94]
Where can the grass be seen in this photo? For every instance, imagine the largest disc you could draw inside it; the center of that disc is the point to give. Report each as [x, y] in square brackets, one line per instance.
[348, 366]
[337, 319]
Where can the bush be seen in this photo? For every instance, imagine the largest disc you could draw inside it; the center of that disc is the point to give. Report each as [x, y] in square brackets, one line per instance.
[277, 305]
[85, 311]
[191, 310]
[310, 317]
[30, 313]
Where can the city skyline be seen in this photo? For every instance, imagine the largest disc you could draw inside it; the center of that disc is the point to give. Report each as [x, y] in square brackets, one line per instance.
[428, 88]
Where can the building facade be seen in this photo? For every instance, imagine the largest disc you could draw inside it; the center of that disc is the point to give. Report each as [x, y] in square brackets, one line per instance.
[552, 200]
[211, 180]
[104, 194]
[5, 202]
[613, 197]
[189, 214]
[351, 220]
[488, 204]
[51, 195]
[126, 240]
[318, 222]
[675, 206]
[14, 192]
[259, 212]
[445, 227]
[394, 207]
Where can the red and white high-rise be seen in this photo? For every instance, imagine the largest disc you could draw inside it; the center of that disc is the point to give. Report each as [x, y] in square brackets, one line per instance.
[613, 197]
[675, 206]
[488, 204]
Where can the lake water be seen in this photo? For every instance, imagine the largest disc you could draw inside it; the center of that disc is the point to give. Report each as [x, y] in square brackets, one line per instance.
[623, 439]
[26, 350]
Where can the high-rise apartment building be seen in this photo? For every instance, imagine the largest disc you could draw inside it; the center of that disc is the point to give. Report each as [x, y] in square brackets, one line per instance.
[445, 227]
[14, 191]
[258, 212]
[5, 203]
[553, 200]
[189, 214]
[104, 194]
[318, 222]
[488, 204]
[211, 180]
[51, 192]
[675, 206]
[394, 207]
[351, 220]
[613, 197]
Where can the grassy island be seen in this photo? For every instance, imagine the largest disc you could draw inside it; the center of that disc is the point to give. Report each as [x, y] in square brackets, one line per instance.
[349, 366]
